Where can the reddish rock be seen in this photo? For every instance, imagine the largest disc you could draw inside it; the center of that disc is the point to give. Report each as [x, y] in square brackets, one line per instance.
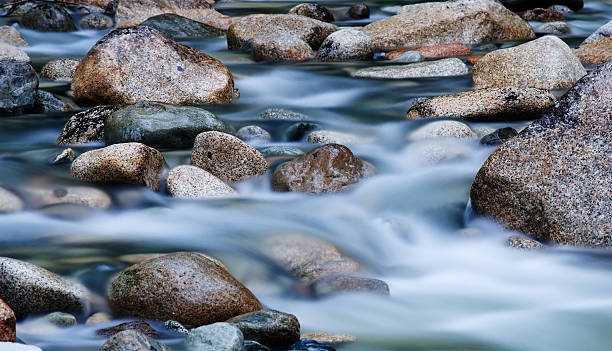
[435, 52]
[7, 323]
[542, 15]
[473, 59]
[394, 54]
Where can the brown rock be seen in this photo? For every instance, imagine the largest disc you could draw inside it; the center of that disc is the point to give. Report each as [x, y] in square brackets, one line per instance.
[227, 157]
[542, 15]
[596, 52]
[119, 70]
[280, 48]
[59, 69]
[444, 50]
[185, 287]
[140, 326]
[133, 12]
[473, 59]
[127, 163]
[329, 168]
[316, 11]
[85, 126]
[8, 323]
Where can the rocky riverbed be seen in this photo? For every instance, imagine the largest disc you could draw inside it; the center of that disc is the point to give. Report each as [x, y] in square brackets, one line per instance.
[259, 175]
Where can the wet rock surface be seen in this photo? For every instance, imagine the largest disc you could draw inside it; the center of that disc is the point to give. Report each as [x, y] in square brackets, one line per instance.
[8, 323]
[215, 337]
[280, 48]
[346, 45]
[334, 284]
[190, 182]
[542, 15]
[442, 68]
[86, 126]
[132, 12]
[131, 340]
[271, 328]
[60, 69]
[18, 85]
[595, 52]
[442, 129]
[48, 17]
[140, 326]
[178, 27]
[523, 243]
[499, 136]
[316, 11]
[96, 21]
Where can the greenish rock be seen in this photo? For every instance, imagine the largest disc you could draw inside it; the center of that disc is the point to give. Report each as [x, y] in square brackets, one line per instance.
[408, 57]
[176, 327]
[271, 151]
[177, 27]
[298, 131]
[62, 320]
[215, 337]
[161, 125]
[48, 17]
[271, 328]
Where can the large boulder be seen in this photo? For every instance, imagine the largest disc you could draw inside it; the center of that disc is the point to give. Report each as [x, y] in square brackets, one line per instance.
[554, 180]
[186, 287]
[133, 12]
[18, 85]
[545, 63]
[471, 22]
[119, 70]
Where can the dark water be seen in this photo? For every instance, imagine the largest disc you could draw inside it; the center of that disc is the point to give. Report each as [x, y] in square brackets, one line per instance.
[448, 291]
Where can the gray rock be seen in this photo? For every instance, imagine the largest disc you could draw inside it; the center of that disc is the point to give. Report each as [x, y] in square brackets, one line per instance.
[227, 157]
[334, 137]
[117, 71]
[271, 328]
[280, 47]
[316, 11]
[442, 129]
[471, 22]
[127, 163]
[140, 326]
[99, 318]
[281, 114]
[595, 52]
[190, 182]
[346, 45]
[493, 104]
[215, 337]
[18, 85]
[408, 57]
[554, 180]
[523, 243]
[335, 284]
[13, 346]
[61, 319]
[176, 327]
[13, 53]
[86, 126]
[161, 125]
[66, 156]
[177, 27]
[42, 196]
[247, 133]
[277, 150]
[441, 68]
[134, 12]
[46, 102]
[359, 11]
[9, 202]
[602, 32]
[48, 17]
[11, 36]
[251, 345]
[545, 63]
[30, 289]
[96, 21]
[61, 69]
[131, 340]
[558, 28]
[499, 136]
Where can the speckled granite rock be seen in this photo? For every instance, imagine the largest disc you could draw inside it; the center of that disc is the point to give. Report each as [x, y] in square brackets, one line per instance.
[328, 168]
[316, 11]
[280, 47]
[554, 28]
[523, 243]
[522, 5]
[542, 15]
[442, 129]
[61, 319]
[96, 21]
[118, 71]
[184, 286]
[59, 69]
[127, 163]
[18, 85]
[48, 17]
[8, 323]
[133, 12]
[178, 27]
[442, 68]
[39, 196]
[493, 104]
[190, 182]
[131, 340]
[255, 133]
[342, 283]
[595, 52]
[553, 181]
[271, 328]
[227, 157]
[602, 32]
[30, 289]
[545, 63]
[281, 114]
[10, 35]
[140, 326]
[9, 202]
[215, 337]
[346, 45]
[470, 22]
[45, 102]
[10, 52]
[334, 137]
[85, 126]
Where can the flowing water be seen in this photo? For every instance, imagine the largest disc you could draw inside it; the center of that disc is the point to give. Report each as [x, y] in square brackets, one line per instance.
[449, 291]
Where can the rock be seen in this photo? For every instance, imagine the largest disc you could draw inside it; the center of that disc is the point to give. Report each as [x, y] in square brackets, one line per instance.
[522, 5]
[227, 157]
[404, 57]
[9, 202]
[48, 17]
[499, 136]
[334, 284]
[442, 129]
[280, 48]
[161, 125]
[96, 21]
[127, 163]
[359, 11]
[250, 345]
[244, 29]
[308, 258]
[86, 126]
[331, 339]
[271, 328]
[523, 243]
[602, 32]
[281, 114]
[545, 63]
[116, 71]
[30, 289]
[346, 45]
[62, 320]
[328, 168]
[473, 59]
[215, 337]
[134, 12]
[66, 156]
[61, 69]
[542, 15]
[8, 323]
[442, 68]
[186, 287]
[310, 345]
[131, 340]
[178, 27]
[141, 327]
[18, 85]
[554, 28]
[190, 182]
[11, 346]
[470, 22]
[13, 53]
[46, 103]
[493, 104]
[99, 318]
[297, 131]
[39, 196]
[278, 150]
[10, 35]
[595, 52]
[316, 11]
[176, 327]
[436, 51]
[333, 137]
[247, 133]
[553, 180]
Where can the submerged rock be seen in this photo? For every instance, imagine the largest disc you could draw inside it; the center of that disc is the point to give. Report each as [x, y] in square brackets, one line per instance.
[61, 319]
[555, 28]
[281, 114]
[442, 129]
[602, 32]
[334, 137]
[10, 35]
[131, 340]
[9, 202]
[253, 133]
[8, 323]
[40, 196]
[346, 45]
[48, 17]
[271, 328]
[442, 68]
[310, 345]
[61, 69]
[178, 27]
[190, 182]
[523, 243]
[334, 284]
[18, 85]
[215, 337]
[86, 126]
[47, 102]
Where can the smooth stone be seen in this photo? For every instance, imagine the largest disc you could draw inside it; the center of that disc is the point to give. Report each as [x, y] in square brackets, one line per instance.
[346, 45]
[46, 103]
[277, 150]
[435, 52]
[310, 345]
[443, 129]
[178, 27]
[190, 182]
[161, 125]
[407, 57]
[595, 52]
[85, 126]
[554, 28]
[187, 287]
[470, 22]
[61, 69]
[602, 32]
[250, 345]
[297, 131]
[8, 323]
[134, 12]
[96, 21]
[227, 157]
[499, 136]
[99, 318]
[9, 202]
[542, 15]
[12, 53]
[13, 346]
[271, 328]
[334, 137]
[335, 284]
[442, 68]
[176, 327]
[127, 163]
[331, 339]
[523, 243]
[553, 181]
[316, 11]
[493, 104]
[116, 71]
[279, 48]
[522, 5]
[215, 337]
[359, 11]
[30, 289]
[281, 114]
[18, 85]
[61, 319]
[48, 17]
[131, 340]
[10, 35]
[39, 196]
[140, 326]
[545, 63]
[254, 133]
[66, 156]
